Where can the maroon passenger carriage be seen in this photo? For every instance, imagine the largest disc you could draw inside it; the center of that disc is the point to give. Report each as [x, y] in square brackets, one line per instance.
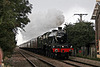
[53, 44]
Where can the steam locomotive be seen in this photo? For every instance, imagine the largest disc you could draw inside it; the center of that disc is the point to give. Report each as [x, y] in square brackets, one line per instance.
[52, 44]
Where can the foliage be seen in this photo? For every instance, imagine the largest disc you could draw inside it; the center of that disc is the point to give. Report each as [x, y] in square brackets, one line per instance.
[80, 34]
[13, 14]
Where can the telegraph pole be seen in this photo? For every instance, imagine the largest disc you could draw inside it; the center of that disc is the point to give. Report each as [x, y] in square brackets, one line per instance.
[80, 20]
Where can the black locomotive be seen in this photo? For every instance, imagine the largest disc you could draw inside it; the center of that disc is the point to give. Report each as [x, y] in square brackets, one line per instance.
[53, 44]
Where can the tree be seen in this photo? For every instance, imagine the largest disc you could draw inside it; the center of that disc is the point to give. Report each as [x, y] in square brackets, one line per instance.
[13, 14]
[80, 34]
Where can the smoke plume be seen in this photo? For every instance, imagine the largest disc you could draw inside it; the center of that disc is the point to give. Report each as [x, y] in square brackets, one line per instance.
[42, 22]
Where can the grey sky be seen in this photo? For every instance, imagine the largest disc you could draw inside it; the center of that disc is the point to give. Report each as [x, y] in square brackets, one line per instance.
[63, 5]
[56, 7]
[68, 7]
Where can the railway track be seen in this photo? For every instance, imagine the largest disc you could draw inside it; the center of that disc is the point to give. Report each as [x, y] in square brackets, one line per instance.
[35, 61]
[84, 63]
[28, 60]
[77, 63]
[70, 62]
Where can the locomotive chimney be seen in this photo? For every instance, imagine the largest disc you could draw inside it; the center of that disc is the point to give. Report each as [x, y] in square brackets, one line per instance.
[59, 28]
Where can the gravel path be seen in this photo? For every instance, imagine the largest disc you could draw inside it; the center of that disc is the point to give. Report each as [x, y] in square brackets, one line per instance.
[17, 60]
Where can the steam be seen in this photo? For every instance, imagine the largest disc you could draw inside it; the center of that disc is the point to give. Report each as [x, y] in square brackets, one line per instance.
[42, 22]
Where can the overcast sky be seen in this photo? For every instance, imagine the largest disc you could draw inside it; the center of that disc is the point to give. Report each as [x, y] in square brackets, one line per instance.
[68, 7]
[45, 15]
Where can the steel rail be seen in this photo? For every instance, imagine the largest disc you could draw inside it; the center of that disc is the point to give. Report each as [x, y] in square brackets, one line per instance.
[84, 63]
[41, 60]
[28, 59]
